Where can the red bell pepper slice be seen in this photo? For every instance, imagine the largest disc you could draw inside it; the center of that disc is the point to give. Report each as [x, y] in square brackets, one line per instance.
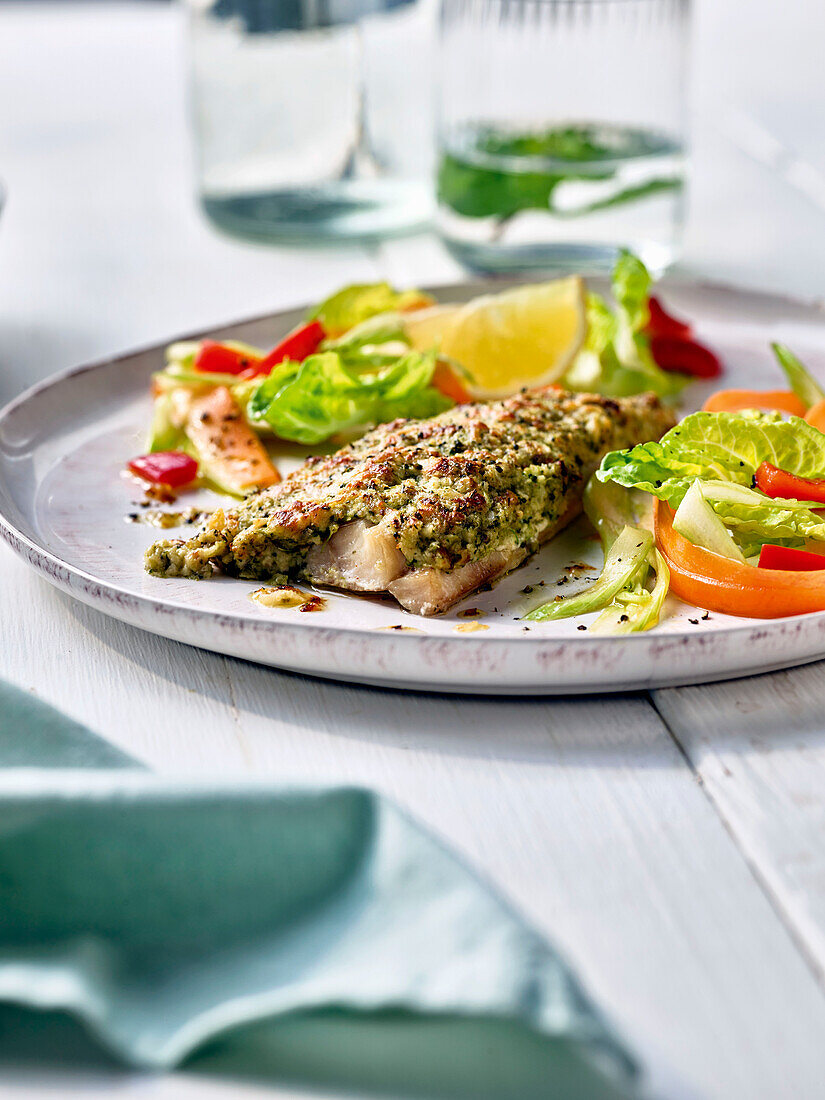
[672, 353]
[779, 483]
[662, 323]
[785, 557]
[165, 468]
[215, 358]
[300, 343]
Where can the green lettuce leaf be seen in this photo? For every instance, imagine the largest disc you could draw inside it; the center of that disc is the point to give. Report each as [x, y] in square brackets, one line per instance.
[165, 434]
[376, 342]
[801, 381]
[615, 359]
[310, 401]
[610, 508]
[631, 289]
[627, 556]
[757, 518]
[717, 447]
[353, 304]
[636, 607]
[697, 521]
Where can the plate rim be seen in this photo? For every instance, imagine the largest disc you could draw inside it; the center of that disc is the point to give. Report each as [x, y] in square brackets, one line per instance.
[74, 579]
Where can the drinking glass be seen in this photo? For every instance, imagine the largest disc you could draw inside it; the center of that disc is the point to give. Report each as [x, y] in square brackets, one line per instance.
[313, 118]
[562, 132]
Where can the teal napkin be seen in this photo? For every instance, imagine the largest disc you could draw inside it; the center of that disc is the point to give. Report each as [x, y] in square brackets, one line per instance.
[318, 937]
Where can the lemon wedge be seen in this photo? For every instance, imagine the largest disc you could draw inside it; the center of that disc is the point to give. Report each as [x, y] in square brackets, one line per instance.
[526, 336]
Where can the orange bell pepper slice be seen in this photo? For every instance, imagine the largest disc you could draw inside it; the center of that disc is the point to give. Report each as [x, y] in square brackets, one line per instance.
[732, 588]
[450, 384]
[816, 415]
[419, 300]
[736, 400]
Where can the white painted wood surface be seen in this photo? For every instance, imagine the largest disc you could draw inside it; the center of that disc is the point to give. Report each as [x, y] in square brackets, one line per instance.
[674, 851]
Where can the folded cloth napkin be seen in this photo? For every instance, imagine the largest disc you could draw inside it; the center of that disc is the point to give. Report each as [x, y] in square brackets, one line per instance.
[318, 937]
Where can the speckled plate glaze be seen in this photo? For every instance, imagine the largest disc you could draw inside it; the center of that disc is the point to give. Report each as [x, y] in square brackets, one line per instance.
[64, 504]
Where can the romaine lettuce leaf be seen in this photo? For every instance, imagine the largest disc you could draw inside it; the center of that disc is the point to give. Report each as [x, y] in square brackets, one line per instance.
[759, 518]
[376, 342]
[353, 304]
[615, 359]
[637, 606]
[610, 507]
[165, 431]
[310, 401]
[697, 521]
[717, 447]
[801, 381]
[631, 289]
[627, 556]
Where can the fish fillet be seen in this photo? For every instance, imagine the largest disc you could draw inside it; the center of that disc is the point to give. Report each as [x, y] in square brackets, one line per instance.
[357, 557]
[425, 509]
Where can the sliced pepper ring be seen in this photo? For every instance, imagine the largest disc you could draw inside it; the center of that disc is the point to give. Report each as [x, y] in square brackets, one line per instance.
[816, 415]
[718, 584]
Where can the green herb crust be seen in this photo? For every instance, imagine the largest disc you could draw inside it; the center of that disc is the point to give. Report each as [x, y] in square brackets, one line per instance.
[451, 489]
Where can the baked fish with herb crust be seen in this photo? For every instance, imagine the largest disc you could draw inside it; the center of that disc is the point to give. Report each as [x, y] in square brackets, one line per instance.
[427, 510]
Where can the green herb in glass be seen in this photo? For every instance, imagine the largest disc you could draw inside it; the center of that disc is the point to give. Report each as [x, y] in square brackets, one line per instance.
[498, 175]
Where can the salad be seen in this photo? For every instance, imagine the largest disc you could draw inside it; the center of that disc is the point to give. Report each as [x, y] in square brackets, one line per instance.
[369, 354]
[726, 510]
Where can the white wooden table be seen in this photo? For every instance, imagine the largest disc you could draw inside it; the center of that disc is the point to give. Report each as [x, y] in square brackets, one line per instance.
[672, 844]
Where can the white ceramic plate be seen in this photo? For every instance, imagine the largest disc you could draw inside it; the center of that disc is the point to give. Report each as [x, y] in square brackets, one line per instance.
[64, 502]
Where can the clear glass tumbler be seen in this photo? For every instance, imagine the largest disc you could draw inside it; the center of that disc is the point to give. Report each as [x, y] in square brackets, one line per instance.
[561, 132]
[313, 118]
